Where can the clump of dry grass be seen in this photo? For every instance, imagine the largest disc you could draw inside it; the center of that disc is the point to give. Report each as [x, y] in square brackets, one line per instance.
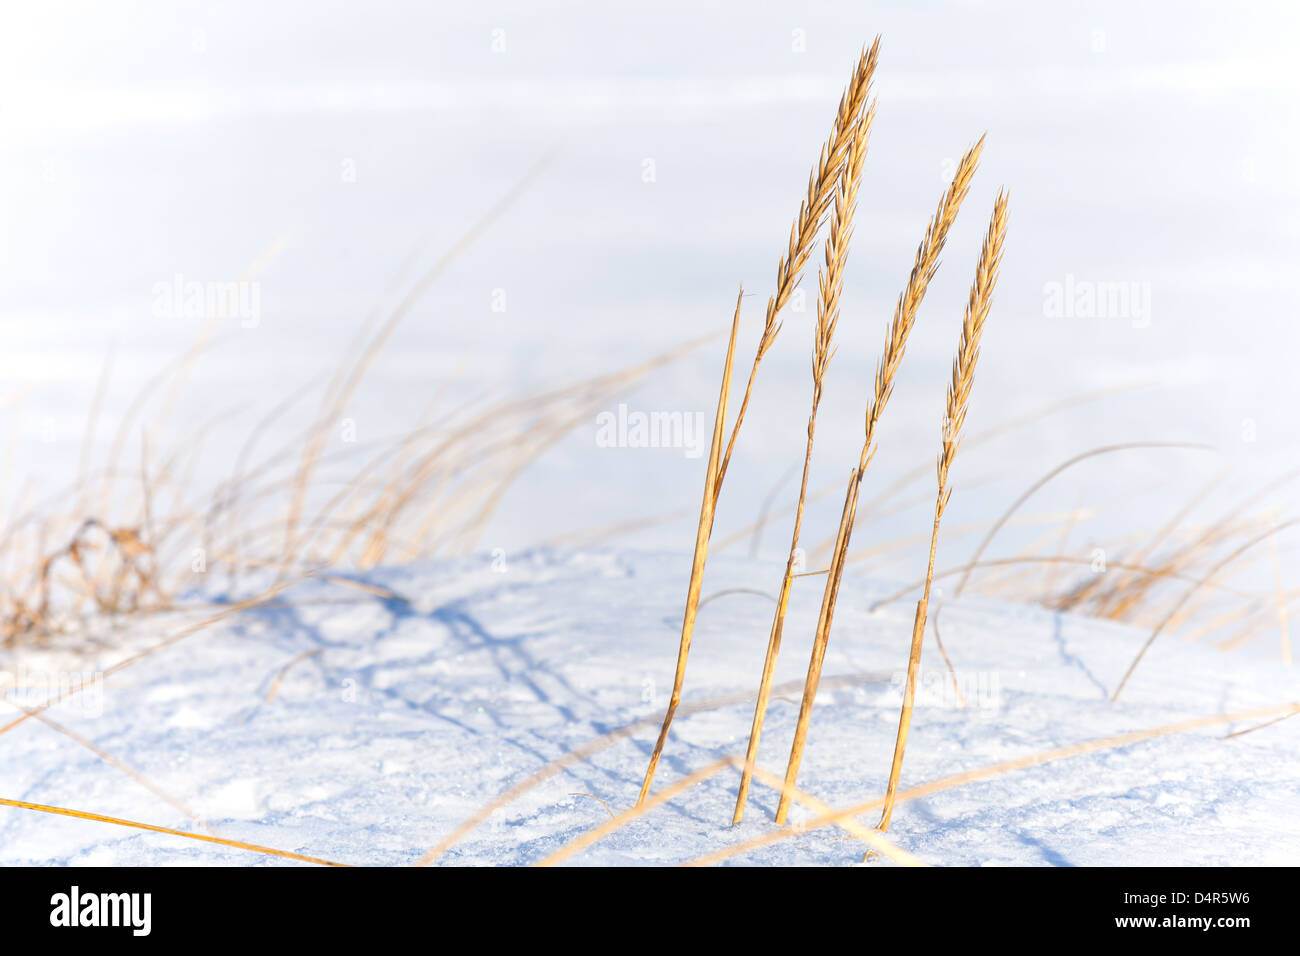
[92, 554]
[1137, 579]
[924, 267]
[830, 284]
[429, 491]
[1214, 571]
[124, 541]
[840, 161]
[812, 210]
[843, 151]
[959, 391]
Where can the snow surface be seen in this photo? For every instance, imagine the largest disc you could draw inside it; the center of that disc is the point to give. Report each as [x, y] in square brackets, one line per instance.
[412, 716]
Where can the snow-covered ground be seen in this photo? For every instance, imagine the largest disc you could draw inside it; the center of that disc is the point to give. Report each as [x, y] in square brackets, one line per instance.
[411, 717]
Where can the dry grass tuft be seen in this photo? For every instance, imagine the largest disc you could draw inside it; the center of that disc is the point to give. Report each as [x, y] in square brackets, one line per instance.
[830, 284]
[1178, 605]
[924, 267]
[812, 210]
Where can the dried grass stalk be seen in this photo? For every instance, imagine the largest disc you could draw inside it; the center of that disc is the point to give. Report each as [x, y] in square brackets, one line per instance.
[701, 553]
[830, 284]
[134, 824]
[829, 597]
[959, 390]
[909, 301]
